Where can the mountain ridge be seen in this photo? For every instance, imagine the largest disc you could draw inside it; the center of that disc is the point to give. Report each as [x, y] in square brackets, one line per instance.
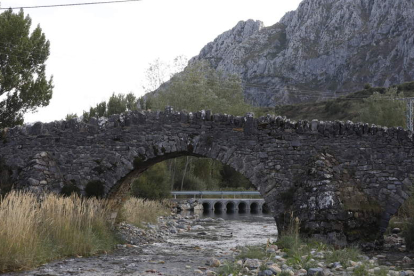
[323, 49]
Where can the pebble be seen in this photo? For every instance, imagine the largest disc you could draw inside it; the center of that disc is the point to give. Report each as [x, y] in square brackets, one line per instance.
[197, 227]
[275, 269]
[396, 230]
[213, 262]
[210, 273]
[266, 272]
[407, 260]
[409, 273]
[252, 263]
[198, 271]
[317, 271]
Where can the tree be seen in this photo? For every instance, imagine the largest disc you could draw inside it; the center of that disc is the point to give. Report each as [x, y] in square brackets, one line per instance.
[117, 104]
[158, 72]
[201, 87]
[384, 109]
[152, 184]
[23, 83]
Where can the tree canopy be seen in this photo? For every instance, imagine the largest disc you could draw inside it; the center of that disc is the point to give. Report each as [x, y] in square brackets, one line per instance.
[201, 87]
[23, 83]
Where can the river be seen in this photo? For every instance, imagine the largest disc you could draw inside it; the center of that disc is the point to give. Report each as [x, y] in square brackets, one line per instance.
[181, 254]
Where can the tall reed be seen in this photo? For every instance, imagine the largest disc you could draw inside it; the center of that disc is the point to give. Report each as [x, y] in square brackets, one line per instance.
[34, 231]
[138, 211]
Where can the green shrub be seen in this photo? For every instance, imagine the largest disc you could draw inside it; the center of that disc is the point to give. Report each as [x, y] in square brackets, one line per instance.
[69, 189]
[229, 268]
[343, 255]
[5, 181]
[381, 272]
[286, 242]
[361, 271]
[95, 188]
[253, 252]
[153, 184]
[408, 233]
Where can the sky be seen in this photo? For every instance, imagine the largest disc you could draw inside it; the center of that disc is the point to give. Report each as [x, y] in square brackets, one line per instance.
[98, 50]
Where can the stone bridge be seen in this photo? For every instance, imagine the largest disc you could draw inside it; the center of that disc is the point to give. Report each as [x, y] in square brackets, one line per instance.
[343, 180]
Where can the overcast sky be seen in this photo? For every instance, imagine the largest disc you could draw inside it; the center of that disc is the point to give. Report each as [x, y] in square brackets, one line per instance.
[100, 49]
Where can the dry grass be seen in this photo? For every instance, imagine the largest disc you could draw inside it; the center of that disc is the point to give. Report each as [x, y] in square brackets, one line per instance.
[33, 232]
[138, 211]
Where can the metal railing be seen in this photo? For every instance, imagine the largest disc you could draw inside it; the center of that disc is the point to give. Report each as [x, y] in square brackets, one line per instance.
[216, 193]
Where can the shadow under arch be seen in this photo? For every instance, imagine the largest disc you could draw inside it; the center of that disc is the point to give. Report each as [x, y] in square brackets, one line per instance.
[243, 207]
[207, 206]
[120, 191]
[230, 206]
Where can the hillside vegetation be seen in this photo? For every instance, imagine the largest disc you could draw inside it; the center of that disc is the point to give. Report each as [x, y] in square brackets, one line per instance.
[354, 106]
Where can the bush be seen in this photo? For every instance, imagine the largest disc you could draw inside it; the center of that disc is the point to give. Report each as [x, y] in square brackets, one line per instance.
[95, 188]
[5, 180]
[69, 189]
[408, 234]
[361, 271]
[153, 184]
[343, 255]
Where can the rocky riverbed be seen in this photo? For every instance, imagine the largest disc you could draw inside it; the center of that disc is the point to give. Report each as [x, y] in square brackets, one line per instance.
[178, 245]
[190, 245]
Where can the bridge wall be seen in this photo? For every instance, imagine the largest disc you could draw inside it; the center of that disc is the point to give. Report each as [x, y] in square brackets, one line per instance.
[342, 180]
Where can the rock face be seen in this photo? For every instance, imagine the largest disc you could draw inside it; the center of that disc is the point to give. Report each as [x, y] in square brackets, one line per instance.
[325, 48]
[342, 180]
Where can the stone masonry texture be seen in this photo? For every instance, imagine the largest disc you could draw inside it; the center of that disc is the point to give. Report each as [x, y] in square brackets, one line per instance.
[342, 180]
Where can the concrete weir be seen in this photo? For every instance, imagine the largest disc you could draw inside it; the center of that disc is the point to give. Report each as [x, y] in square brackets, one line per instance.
[232, 204]
[240, 204]
[342, 180]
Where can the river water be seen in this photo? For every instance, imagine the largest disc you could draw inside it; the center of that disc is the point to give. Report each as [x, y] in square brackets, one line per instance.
[236, 229]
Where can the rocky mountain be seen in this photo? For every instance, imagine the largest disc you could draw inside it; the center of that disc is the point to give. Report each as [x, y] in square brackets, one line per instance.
[323, 49]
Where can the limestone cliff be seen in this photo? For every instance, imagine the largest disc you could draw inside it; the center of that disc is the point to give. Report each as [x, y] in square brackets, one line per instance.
[323, 49]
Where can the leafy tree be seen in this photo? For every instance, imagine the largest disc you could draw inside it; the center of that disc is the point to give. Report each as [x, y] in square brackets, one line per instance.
[152, 184]
[384, 109]
[201, 87]
[158, 72]
[116, 104]
[71, 116]
[23, 82]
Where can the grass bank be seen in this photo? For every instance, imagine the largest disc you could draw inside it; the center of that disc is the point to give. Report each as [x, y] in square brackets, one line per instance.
[36, 231]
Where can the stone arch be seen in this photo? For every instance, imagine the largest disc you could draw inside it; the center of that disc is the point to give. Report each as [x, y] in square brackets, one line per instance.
[285, 160]
[119, 192]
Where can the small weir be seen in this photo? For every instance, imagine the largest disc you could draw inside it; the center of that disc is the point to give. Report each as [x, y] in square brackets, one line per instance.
[230, 201]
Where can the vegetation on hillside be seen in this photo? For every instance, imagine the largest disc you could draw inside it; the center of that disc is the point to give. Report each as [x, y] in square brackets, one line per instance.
[201, 87]
[376, 105]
